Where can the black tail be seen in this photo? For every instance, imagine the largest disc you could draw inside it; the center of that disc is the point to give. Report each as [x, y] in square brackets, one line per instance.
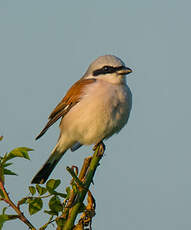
[44, 173]
[47, 168]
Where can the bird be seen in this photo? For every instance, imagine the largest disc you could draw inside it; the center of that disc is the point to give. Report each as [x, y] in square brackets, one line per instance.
[94, 108]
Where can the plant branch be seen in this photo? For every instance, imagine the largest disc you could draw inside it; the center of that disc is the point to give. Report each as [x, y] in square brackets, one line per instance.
[72, 173]
[17, 210]
[85, 167]
[82, 193]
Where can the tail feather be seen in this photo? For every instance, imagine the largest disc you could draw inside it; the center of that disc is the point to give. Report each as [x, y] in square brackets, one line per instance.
[47, 168]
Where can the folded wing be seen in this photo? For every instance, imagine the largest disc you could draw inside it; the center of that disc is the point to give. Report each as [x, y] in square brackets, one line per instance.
[72, 97]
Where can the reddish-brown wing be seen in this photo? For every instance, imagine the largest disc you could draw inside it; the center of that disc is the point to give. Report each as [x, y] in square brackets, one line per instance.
[72, 97]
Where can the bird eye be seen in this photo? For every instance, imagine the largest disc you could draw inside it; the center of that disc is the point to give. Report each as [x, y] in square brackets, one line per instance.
[106, 68]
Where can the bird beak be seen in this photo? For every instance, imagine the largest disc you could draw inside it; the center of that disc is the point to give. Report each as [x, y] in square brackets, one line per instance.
[124, 71]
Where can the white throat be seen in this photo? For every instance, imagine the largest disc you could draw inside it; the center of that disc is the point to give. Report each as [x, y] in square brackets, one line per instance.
[113, 78]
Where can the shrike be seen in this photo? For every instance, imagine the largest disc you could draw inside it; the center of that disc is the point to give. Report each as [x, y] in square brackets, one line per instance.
[93, 109]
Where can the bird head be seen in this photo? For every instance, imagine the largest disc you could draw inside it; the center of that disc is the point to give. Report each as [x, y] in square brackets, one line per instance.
[109, 68]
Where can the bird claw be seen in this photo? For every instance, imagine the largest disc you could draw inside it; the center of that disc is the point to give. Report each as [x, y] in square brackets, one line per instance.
[101, 148]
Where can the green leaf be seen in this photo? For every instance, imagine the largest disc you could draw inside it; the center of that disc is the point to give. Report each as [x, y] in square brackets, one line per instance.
[4, 158]
[2, 194]
[60, 222]
[2, 173]
[41, 190]
[9, 172]
[52, 184]
[4, 209]
[63, 195]
[51, 212]
[32, 190]
[35, 206]
[75, 188]
[22, 201]
[68, 192]
[7, 164]
[29, 199]
[68, 189]
[55, 204]
[3, 218]
[19, 152]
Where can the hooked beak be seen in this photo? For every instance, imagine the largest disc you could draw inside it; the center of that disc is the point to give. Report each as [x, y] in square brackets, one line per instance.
[124, 71]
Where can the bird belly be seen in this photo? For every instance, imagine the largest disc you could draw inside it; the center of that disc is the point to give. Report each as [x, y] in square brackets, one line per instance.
[102, 111]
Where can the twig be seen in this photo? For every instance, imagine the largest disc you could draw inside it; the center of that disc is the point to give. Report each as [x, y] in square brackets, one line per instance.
[85, 167]
[17, 210]
[72, 173]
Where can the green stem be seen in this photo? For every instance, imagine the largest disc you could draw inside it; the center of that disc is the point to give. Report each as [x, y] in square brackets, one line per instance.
[81, 195]
[72, 173]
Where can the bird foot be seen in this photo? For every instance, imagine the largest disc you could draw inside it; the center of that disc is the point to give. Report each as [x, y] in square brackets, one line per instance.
[101, 148]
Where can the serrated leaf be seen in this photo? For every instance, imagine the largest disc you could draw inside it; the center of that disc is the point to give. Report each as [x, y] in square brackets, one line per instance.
[35, 206]
[52, 184]
[19, 152]
[9, 172]
[55, 204]
[32, 190]
[41, 190]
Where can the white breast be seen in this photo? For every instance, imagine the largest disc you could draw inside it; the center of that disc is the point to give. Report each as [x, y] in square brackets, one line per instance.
[103, 111]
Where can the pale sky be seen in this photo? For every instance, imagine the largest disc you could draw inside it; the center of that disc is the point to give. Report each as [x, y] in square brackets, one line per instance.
[144, 181]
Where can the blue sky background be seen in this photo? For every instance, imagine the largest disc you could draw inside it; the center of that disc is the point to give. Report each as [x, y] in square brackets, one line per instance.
[144, 181]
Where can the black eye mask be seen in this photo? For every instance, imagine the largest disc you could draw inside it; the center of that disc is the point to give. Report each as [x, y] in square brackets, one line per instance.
[107, 69]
